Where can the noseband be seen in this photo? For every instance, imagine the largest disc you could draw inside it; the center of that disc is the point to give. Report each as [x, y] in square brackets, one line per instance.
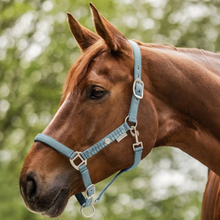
[117, 135]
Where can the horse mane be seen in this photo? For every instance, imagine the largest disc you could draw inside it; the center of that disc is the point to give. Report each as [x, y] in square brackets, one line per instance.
[155, 45]
[179, 49]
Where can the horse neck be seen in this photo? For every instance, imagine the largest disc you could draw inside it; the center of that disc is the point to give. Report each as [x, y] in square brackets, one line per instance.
[184, 84]
[186, 95]
[207, 59]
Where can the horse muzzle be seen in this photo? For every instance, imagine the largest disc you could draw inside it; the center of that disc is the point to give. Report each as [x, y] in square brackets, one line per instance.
[49, 200]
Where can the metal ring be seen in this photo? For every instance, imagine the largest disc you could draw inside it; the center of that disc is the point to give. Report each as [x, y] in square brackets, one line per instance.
[78, 155]
[126, 121]
[87, 216]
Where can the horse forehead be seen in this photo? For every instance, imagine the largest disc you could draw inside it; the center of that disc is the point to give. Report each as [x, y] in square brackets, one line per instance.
[107, 63]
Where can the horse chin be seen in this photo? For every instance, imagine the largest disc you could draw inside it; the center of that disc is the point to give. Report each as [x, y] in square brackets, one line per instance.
[58, 204]
[51, 206]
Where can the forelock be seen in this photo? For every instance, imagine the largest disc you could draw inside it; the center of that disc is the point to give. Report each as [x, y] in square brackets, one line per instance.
[79, 69]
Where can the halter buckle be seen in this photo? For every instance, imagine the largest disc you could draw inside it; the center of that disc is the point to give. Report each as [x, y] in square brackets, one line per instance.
[138, 82]
[78, 156]
[90, 189]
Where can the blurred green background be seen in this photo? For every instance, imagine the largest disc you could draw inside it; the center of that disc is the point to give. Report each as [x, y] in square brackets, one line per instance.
[36, 51]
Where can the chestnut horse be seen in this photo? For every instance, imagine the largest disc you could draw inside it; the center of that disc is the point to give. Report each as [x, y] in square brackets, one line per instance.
[180, 108]
[211, 198]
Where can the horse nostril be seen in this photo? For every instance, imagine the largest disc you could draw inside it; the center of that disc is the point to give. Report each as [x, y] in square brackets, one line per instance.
[31, 188]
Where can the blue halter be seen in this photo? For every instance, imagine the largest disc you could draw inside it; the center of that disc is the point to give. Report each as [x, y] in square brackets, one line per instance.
[116, 135]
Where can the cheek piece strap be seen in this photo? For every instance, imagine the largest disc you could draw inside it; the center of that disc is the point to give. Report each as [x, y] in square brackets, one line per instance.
[117, 135]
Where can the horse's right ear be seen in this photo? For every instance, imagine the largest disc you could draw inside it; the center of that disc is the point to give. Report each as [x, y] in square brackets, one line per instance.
[84, 37]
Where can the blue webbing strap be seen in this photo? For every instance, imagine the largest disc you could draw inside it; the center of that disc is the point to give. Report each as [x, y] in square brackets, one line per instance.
[137, 158]
[103, 143]
[56, 145]
[138, 85]
[117, 134]
[90, 188]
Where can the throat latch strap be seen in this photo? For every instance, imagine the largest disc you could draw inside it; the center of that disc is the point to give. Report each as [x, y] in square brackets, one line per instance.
[116, 135]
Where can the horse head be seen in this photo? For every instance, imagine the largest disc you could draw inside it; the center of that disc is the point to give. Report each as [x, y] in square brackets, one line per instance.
[96, 100]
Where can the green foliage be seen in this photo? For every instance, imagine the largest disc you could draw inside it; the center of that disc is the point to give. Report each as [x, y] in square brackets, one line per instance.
[36, 52]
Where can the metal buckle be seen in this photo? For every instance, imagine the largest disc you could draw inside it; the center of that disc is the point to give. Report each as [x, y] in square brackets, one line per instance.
[92, 205]
[138, 144]
[72, 161]
[134, 86]
[87, 190]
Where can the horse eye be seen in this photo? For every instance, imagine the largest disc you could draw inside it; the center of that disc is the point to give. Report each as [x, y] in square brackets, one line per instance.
[97, 93]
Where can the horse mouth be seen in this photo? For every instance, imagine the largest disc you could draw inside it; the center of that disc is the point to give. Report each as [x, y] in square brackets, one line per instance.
[58, 205]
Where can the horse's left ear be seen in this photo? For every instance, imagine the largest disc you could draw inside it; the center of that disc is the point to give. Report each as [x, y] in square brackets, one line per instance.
[112, 37]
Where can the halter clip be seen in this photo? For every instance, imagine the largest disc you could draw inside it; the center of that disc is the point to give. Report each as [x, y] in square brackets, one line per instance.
[134, 132]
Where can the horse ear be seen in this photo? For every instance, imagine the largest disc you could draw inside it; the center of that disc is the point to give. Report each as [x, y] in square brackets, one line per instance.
[112, 37]
[84, 37]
